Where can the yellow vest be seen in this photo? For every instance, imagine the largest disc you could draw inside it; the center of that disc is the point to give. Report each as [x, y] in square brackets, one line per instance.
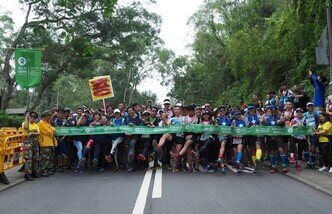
[46, 134]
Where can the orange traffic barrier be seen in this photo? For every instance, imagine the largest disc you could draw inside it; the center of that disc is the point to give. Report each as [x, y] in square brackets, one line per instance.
[11, 150]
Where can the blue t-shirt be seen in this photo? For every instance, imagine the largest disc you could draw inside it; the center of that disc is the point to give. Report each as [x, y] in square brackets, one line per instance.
[253, 120]
[272, 120]
[224, 121]
[118, 122]
[240, 123]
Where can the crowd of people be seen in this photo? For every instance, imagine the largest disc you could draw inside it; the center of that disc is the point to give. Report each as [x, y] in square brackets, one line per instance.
[45, 153]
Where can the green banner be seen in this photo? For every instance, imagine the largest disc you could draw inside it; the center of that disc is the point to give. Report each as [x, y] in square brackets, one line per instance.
[27, 67]
[195, 128]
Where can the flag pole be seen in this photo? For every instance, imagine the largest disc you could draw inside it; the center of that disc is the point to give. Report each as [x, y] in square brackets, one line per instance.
[104, 104]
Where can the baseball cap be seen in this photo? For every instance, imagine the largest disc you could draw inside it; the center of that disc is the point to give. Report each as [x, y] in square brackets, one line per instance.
[160, 111]
[310, 104]
[167, 101]
[178, 105]
[273, 107]
[251, 107]
[67, 109]
[146, 112]
[299, 109]
[46, 113]
[237, 113]
[117, 110]
[191, 107]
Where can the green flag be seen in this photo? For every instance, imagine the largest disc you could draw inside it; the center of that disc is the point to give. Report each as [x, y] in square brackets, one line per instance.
[27, 67]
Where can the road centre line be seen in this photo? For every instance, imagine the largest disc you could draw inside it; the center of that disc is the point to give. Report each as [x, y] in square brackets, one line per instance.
[157, 186]
[143, 193]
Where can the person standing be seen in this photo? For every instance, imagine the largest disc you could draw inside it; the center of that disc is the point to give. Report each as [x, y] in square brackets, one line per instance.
[31, 147]
[319, 90]
[47, 142]
[324, 132]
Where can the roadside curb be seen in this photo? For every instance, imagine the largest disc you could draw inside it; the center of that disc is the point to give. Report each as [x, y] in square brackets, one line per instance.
[305, 181]
[309, 183]
[12, 184]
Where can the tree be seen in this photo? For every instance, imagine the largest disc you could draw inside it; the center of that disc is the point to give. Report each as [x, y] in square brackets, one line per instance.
[90, 38]
[70, 24]
[247, 47]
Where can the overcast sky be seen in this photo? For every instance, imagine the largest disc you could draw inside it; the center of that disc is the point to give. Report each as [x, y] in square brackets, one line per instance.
[174, 30]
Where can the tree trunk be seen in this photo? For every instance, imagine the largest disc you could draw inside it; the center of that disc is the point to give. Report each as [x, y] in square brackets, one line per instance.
[126, 87]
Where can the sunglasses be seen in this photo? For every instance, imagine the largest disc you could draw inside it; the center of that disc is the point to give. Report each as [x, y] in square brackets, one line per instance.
[33, 116]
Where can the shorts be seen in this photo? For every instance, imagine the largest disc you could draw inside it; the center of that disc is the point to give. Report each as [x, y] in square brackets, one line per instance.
[192, 137]
[179, 140]
[222, 138]
[236, 142]
[249, 141]
[273, 143]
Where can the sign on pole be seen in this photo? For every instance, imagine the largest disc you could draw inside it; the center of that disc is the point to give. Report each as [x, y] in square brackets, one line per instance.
[101, 88]
[27, 67]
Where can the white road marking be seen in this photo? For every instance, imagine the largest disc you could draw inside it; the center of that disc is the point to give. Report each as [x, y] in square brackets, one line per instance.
[249, 168]
[157, 186]
[246, 169]
[231, 168]
[143, 193]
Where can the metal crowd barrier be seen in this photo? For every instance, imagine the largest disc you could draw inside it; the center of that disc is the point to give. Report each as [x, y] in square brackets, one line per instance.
[11, 150]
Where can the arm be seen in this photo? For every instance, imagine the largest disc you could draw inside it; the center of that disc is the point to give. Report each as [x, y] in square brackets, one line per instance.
[321, 132]
[44, 129]
[327, 110]
[26, 121]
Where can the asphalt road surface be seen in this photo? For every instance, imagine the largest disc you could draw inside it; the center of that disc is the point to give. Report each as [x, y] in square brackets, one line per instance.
[164, 192]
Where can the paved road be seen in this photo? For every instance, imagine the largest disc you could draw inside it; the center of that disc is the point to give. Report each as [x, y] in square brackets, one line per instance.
[95, 192]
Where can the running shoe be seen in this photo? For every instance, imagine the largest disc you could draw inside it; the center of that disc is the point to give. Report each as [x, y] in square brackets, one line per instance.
[155, 165]
[323, 169]
[308, 165]
[223, 171]
[190, 169]
[108, 158]
[285, 170]
[273, 169]
[94, 162]
[141, 157]
[298, 166]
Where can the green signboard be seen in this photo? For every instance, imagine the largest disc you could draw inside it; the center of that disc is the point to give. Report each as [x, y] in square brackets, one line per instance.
[27, 67]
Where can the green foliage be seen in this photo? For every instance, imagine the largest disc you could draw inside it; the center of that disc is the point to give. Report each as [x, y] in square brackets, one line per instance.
[10, 120]
[84, 39]
[250, 47]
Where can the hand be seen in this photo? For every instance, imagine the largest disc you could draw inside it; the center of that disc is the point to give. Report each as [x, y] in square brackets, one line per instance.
[310, 72]
[27, 114]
